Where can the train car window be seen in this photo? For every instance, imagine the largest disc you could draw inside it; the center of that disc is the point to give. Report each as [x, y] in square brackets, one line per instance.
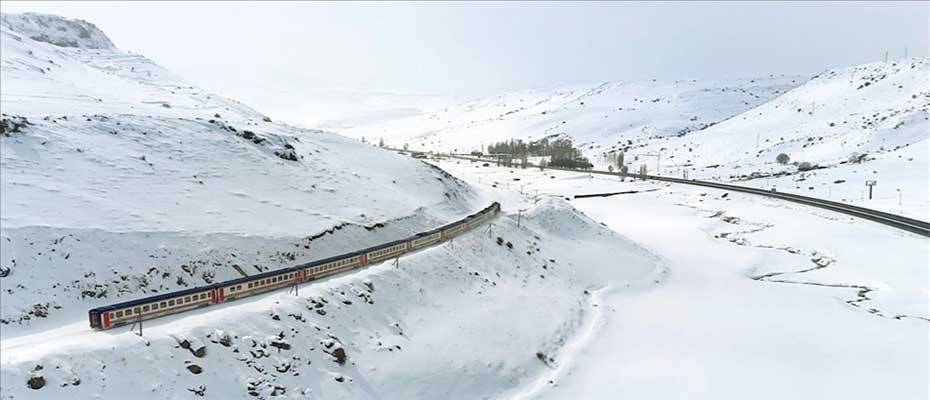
[163, 304]
[249, 285]
[238, 287]
[136, 310]
[145, 308]
[112, 316]
[203, 296]
[170, 302]
[119, 314]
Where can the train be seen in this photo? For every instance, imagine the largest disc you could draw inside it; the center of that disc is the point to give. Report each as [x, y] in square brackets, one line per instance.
[110, 316]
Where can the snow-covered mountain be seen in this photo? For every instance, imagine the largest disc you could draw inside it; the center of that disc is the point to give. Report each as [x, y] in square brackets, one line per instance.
[875, 114]
[599, 117]
[342, 109]
[152, 148]
[868, 122]
[57, 31]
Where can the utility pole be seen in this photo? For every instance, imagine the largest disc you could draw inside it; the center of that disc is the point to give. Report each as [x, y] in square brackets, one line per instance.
[871, 184]
[137, 322]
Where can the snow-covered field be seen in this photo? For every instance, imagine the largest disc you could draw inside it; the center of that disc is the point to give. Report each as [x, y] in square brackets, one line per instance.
[760, 299]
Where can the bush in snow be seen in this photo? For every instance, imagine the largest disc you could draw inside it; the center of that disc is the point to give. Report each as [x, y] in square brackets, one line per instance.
[12, 124]
[288, 153]
[36, 380]
[782, 159]
[806, 166]
[856, 158]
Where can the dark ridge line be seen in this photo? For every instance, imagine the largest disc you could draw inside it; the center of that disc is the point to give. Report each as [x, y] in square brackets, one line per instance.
[582, 196]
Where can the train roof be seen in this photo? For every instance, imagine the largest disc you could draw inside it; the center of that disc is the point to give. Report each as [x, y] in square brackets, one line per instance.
[266, 274]
[157, 297]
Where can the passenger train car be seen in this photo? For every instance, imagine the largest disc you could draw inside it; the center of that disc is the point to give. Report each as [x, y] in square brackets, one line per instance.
[107, 317]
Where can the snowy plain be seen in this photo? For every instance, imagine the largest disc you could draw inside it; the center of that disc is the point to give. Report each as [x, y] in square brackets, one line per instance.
[735, 316]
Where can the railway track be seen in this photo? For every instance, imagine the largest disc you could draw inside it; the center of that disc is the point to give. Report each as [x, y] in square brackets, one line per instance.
[898, 221]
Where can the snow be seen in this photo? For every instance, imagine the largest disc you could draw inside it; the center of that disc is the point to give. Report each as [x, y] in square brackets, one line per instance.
[56, 30]
[342, 109]
[156, 156]
[728, 131]
[714, 327]
[122, 186]
[499, 304]
[597, 116]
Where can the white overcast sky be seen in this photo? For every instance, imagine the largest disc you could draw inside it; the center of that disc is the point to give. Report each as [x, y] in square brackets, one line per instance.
[244, 49]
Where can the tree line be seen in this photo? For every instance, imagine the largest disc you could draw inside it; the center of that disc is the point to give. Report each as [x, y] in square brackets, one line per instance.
[560, 151]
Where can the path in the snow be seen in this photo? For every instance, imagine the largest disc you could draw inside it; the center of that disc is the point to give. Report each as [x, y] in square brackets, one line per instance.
[566, 355]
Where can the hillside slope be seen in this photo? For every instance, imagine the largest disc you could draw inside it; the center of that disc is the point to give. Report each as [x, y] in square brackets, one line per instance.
[599, 117]
[102, 149]
[120, 180]
[867, 122]
[152, 148]
[875, 114]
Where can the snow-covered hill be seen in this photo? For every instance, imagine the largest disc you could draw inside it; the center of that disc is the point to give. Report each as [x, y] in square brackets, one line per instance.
[868, 122]
[342, 109]
[103, 149]
[599, 117]
[120, 179]
[876, 114]
[58, 31]
[115, 141]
